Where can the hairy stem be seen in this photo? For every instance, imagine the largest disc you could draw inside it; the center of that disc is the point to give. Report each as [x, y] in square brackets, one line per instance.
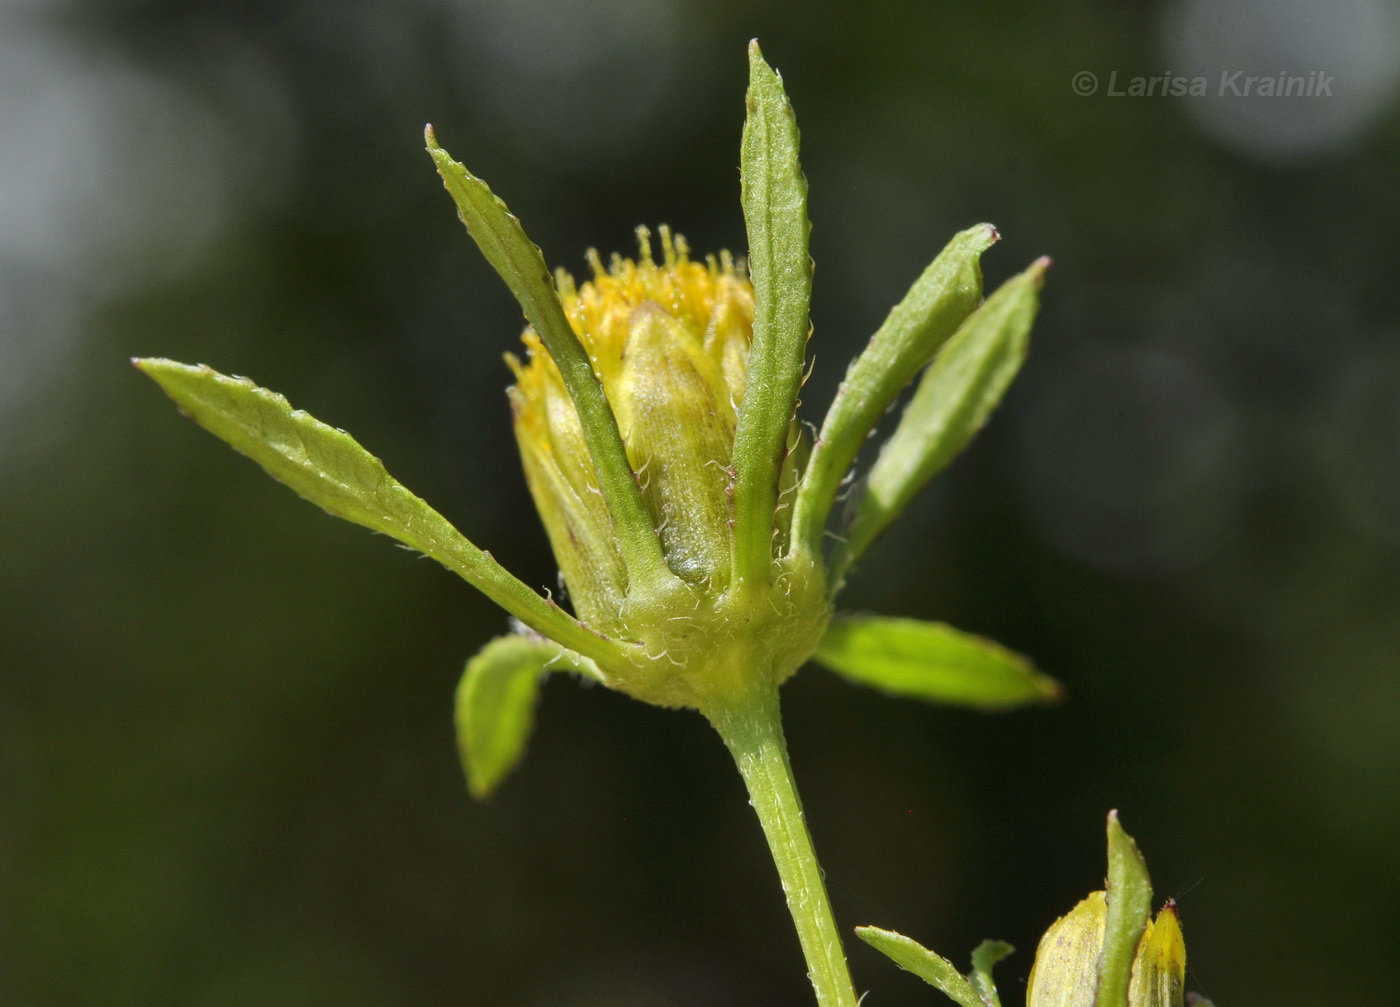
[753, 732]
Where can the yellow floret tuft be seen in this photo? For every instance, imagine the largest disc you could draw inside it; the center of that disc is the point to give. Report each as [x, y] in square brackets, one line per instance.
[669, 341]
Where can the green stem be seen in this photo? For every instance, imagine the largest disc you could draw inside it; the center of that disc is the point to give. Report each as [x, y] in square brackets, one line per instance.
[753, 732]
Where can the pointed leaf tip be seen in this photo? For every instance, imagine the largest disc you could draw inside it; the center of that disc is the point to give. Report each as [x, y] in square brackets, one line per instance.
[933, 662]
[757, 62]
[933, 969]
[520, 263]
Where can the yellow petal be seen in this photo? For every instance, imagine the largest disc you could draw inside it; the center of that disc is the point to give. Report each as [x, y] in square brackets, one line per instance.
[574, 516]
[1159, 970]
[1067, 961]
[672, 410]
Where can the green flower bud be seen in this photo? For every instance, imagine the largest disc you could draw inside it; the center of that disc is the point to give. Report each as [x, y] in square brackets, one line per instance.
[669, 343]
[1105, 952]
[1066, 970]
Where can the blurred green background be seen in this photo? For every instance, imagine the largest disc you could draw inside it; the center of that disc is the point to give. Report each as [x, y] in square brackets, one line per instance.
[227, 773]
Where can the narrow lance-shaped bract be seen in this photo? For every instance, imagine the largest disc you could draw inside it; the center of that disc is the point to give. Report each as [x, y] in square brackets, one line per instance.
[916, 329]
[954, 399]
[775, 213]
[519, 262]
[330, 469]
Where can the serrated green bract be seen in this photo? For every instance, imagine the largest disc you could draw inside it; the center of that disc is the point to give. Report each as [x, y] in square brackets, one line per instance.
[933, 969]
[984, 958]
[775, 215]
[958, 392]
[329, 468]
[916, 328]
[1129, 896]
[933, 662]
[495, 708]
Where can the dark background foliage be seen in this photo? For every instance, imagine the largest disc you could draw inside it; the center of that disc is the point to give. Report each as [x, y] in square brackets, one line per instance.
[226, 755]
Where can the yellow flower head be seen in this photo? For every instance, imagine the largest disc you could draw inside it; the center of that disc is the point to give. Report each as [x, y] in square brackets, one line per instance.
[656, 409]
[669, 342]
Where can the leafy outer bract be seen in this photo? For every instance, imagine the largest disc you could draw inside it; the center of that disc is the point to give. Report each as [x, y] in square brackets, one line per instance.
[956, 395]
[521, 265]
[775, 214]
[329, 468]
[931, 968]
[1129, 900]
[931, 661]
[915, 329]
[495, 707]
